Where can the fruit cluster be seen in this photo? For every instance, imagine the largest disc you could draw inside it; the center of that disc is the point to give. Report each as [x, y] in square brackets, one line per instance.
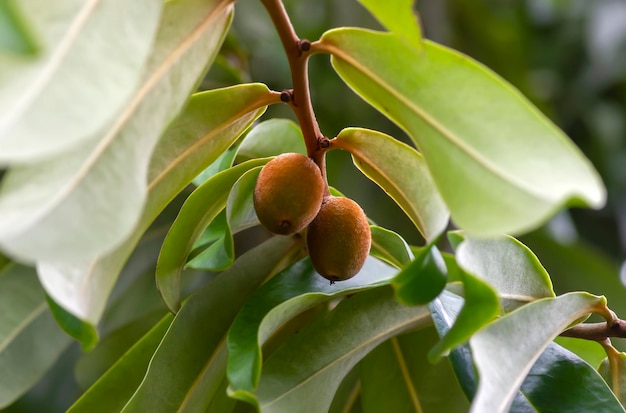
[291, 194]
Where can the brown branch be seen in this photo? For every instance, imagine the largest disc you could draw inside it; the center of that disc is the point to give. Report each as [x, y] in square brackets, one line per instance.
[597, 331]
[299, 98]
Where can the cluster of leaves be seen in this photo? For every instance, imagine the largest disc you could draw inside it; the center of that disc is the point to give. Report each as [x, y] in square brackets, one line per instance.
[86, 196]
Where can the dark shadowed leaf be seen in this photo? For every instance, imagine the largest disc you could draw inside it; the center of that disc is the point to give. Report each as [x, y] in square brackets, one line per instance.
[422, 280]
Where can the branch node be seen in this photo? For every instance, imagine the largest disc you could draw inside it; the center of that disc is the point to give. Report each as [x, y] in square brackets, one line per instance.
[303, 45]
[286, 95]
[323, 142]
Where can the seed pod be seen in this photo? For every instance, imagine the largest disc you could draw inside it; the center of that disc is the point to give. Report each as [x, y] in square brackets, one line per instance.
[339, 239]
[288, 193]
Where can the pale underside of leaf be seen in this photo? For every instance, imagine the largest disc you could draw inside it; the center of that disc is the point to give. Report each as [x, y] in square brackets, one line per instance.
[49, 223]
[47, 104]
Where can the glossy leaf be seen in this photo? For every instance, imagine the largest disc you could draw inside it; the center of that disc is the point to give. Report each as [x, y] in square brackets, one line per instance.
[401, 171]
[270, 138]
[45, 207]
[333, 345]
[509, 266]
[398, 17]
[390, 247]
[15, 35]
[397, 377]
[224, 161]
[45, 106]
[535, 325]
[190, 362]
[422, 280]
[209, 124]
[557, 372]
[613, 370]
[202, 206]
[500, 165]
[291, 292]
[83, 332]
[481, 306]
[30, 339]
[115, 387]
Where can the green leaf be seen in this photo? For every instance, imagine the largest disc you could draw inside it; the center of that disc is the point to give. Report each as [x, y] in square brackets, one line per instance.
[535, 325]
[480, 307]
[202, 206]
[333, 345]
[270, 138]
[613, 370]
[190, 363]
[240, 215]
[291, 292]
[500, 165]
[224, 161]
[397, 377]
[210, 123]
[347, 397]
[30, 339]
[83, 332]
[398, 17]
[390, 247]
[556, 372]
[113, 390]
[15, 35]
[509, 266]
[45, 104]
[101, 184]
[590, 351]
[401, 171]
[422, 280]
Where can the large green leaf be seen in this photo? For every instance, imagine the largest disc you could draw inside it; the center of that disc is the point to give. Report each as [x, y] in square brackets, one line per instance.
[525, 332]
[332, 344]
[556, 372]
[30, 339]
[202, 206]
[66, 95]
[401, 171]
[290, 293]
[115, 387]
[500, 165]
[390, 247]
[190, 363]
[397, 377]
[508, 265]
[86, 201]
[398, 17]
[210, 123]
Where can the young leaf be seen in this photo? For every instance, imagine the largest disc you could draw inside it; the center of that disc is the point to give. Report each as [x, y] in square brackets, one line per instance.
[202, 206]
[509, 266]
[66, 95]
[102, 185]
[528, 330]
[397, 377]
[390, 247]
[401, 171]
[289, 293]
[209, 124]
[190, 361]
[271, 138]
[481, 306]
[613, 370]
[333, 345]
[422, 280]
[30, 339]
[115, 387]
[500, 165]
[398, 17]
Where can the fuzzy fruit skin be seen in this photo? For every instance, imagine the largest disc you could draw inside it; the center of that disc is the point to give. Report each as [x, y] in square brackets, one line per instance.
[288, 193]
[339, 239]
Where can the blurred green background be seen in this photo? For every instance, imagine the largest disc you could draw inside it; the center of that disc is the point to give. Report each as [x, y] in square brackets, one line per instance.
[567, 56]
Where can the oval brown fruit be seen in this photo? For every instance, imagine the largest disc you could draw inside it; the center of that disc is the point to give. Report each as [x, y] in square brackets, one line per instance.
[339, 239]
[288, 193]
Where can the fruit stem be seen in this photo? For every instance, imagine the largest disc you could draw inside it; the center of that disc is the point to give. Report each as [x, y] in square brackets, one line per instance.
[299, 98]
